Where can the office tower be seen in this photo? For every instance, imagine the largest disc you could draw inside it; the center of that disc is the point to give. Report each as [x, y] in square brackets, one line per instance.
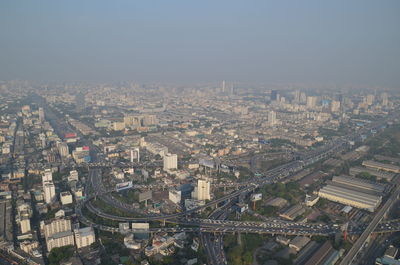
[335, 106]
[170, 161]
[274, 95]
[370, 99]
[41, 114]
[223, 86]
[135, 155]
[272, 118]
[311, 102]
[385, 99]
[63, 149]
[84, 237]
[297, 96]
[49, 192]
[47, 176]
[202, 190]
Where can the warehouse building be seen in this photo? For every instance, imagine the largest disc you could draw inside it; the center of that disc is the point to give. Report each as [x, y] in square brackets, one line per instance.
[359, 184]
[377, 173]
[353, 192]
[381, 166]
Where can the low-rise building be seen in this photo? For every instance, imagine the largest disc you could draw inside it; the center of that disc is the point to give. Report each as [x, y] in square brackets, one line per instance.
[66, 198]
[381, 166]
[299, 242]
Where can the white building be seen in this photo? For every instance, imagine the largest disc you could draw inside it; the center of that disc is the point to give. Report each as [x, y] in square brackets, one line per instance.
[272, 118]
[66, 198]
[25, 224]
[56, 226]
[175, 196]
[63, 150]
[73, 175]
[49, 192]
[61, 239]
[170, 161]
[311, 102]
[202, 190]
[47, 176]
[335, 106]
[84, 237]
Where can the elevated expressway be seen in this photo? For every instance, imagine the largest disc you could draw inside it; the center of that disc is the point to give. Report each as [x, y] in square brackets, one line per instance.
[188, 224]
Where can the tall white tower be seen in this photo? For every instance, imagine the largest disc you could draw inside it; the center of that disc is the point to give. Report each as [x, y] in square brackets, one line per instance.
[272, 118]
[202, 191]
[170, 161]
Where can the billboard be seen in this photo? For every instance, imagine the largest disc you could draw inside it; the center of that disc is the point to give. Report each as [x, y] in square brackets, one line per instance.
[140, 226]
[70, 135]
[256, 197]
[123, 186]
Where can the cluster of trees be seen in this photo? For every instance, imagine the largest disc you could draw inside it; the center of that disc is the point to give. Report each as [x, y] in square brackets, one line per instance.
[242, 254]
[290, 191]
[57, 255]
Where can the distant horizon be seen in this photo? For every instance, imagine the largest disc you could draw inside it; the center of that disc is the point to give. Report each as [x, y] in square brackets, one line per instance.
[237, 84]
[270, 42]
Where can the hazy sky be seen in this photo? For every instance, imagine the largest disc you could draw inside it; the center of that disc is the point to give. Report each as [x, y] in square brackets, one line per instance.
[339, 42]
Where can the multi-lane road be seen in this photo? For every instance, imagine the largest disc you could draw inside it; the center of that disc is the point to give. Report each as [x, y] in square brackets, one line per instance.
[348, 259]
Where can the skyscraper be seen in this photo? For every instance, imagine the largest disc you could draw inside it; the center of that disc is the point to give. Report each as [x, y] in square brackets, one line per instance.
[170, 161]
[41, 114]
[274, 95]
[272, 118]
[385, 99]
[49, 192]
[202, 190]
[311, 102]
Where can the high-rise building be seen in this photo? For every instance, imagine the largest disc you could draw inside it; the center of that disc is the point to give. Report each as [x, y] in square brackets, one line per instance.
[170, 161]
[60, 240]
[47, 176]
[311, 102]
[84, 237]
[297, 96]
[370, 99]
[41, 114]
[385, 99]
[274, 95]
[202, 190]
[272, 118]
[335, 106]
[135, 155]
[63, 149]
[49, 192]
[57, 225]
